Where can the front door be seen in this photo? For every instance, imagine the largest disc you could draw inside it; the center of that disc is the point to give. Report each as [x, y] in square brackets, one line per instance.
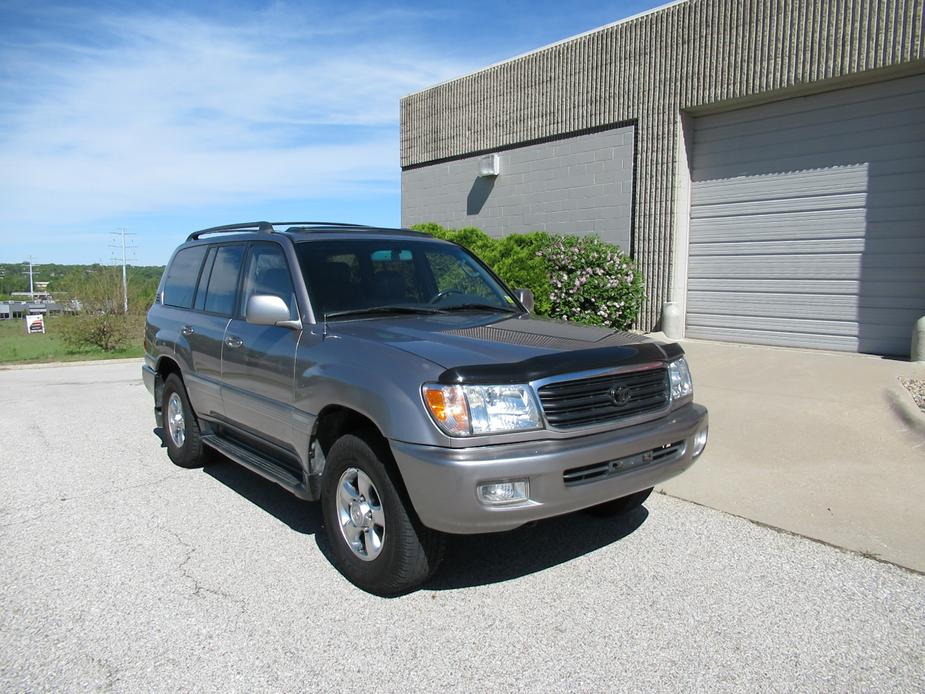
[258, 361]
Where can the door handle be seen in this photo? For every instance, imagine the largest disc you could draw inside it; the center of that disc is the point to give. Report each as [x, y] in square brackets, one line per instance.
[187, 330]
[233, 342]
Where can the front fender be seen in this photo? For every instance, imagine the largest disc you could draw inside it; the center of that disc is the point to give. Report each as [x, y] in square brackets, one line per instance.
[380, 382]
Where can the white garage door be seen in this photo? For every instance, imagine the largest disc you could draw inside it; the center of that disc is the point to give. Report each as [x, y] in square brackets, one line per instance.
[808, 221]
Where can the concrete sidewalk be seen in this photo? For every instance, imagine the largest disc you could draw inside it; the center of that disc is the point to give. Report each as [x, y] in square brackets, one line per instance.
[822, 444]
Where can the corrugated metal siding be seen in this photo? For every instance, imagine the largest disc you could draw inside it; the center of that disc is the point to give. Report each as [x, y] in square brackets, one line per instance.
[685, 56]
[808, 221]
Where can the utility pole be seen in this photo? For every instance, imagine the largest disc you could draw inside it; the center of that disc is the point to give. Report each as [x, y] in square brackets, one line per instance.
[31, 286]
[122, 233]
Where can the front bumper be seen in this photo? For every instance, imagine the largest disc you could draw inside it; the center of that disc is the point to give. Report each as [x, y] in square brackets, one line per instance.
[442, 481]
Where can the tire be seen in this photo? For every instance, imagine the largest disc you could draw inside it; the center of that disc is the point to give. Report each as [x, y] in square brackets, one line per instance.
[618, 507]
[392, 552]
[186, 450]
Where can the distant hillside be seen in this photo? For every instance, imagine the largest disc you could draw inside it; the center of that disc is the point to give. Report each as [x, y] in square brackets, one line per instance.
[12, 279]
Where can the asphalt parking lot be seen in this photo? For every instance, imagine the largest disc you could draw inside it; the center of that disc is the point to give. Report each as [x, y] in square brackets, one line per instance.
[122, 572]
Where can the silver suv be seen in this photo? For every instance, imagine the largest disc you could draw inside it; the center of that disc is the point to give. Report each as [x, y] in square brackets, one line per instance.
[396, 379]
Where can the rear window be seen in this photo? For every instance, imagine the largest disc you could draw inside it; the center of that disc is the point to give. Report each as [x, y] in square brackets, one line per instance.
[180, 282]
[223, 282]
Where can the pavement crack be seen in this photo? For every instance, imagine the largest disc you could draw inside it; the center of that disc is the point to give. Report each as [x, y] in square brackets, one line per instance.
[199, 588]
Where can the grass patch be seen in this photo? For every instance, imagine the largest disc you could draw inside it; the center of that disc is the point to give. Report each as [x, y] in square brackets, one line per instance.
[16, 347]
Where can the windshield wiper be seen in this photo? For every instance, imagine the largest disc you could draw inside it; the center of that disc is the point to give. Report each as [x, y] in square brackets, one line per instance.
[480, 307]
[372, 310]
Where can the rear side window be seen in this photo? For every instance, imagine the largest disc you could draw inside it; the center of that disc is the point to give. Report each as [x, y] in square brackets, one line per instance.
[180, 283]
[204, 280]
[223, 282]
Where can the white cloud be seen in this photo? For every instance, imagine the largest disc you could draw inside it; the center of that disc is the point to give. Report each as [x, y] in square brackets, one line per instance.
[160, 112]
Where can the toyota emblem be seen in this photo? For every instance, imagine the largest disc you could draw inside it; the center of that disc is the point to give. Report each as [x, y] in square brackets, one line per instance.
[620, 395]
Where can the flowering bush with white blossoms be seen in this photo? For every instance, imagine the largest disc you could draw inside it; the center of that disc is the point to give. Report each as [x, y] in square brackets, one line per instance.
[592, 282]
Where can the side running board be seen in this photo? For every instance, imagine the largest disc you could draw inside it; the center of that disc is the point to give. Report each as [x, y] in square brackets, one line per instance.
[260, 464]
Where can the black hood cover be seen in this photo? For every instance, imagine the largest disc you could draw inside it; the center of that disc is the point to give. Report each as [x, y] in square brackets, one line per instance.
[546, 365]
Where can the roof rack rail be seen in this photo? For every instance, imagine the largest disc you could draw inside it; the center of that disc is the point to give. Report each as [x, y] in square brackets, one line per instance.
[339, 225]
[269, 228]
[262, 227]
[321, 227]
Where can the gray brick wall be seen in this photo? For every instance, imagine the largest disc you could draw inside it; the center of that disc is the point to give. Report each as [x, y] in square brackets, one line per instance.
[578, 185]
[689, 56]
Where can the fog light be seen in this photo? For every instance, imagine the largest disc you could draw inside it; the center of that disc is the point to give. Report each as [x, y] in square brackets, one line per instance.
[700, 442]
[506, 492]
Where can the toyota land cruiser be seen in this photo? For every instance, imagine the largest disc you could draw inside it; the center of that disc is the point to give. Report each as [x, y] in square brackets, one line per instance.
[396, 379]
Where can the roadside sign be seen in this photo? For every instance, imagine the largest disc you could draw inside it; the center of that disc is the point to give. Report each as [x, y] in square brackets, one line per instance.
[35, 324]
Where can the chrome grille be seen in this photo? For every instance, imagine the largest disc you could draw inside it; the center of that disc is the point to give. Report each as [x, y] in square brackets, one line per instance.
[604, 398]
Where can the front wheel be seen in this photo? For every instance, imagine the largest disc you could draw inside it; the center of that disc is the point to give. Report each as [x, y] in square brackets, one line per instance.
[618, 507]
[376, 541]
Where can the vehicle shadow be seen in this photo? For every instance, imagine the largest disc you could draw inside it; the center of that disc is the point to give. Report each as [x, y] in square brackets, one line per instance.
[302, 516]
[475, 560]
[471, 560]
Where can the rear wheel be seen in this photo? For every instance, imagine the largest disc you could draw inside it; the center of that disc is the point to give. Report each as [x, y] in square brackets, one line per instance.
[618, 507]
[376, 541]
[181, 428]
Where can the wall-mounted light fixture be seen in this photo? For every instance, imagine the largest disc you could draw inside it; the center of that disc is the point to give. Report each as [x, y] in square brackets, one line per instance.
[490, 165]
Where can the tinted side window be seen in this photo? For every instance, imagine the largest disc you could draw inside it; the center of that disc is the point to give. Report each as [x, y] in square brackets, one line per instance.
[268, 273]
[223, 283]
[180, 283]
[204, 280]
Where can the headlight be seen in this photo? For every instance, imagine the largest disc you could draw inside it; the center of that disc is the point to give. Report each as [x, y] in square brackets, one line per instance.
[680, 375]
[473, 410]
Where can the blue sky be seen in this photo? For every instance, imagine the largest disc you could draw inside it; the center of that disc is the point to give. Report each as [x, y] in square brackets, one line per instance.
[165, 117]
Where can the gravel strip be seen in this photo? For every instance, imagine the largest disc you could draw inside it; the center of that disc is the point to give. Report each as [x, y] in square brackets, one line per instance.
[917, 389]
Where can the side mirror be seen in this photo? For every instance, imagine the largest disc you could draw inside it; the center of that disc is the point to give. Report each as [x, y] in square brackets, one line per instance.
[525, 296]
[266, 309]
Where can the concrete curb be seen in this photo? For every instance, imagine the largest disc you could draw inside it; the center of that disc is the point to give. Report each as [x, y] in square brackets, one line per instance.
[903, 405]
[58, 364]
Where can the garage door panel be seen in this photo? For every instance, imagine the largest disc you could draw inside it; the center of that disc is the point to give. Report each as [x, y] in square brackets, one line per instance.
[768, 267]
[778, 205]
[873, 289]
[775, 337]
[909, 160]
[774, 127]
[800, 266]
[846, 328]
[841, 180]
[894, 93]
[807, 220]
[809, 155]
[872, 344]
[885, 127]
[821, 225]
[879, 310]
[779, 226]
[903, 247]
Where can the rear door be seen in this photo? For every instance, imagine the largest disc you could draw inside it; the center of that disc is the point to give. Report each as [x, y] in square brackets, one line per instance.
[258, 361]
[198, 353]
[205, 327]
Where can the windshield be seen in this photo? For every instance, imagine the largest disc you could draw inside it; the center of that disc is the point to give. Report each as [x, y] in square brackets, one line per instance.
[350, 277]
